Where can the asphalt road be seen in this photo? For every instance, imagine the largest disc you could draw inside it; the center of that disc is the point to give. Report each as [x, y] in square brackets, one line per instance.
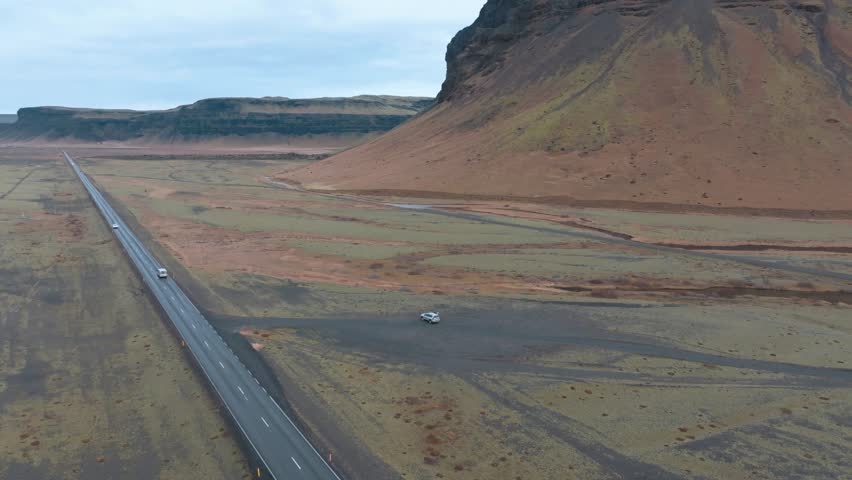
[283, 451]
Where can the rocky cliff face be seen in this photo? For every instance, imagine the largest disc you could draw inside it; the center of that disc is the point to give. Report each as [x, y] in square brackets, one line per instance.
[269, 118]
[481, 49]
[726, 103]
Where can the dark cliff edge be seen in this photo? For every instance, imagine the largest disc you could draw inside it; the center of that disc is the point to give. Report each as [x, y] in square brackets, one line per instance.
[481, 48]
[478, 47]
[205, 120]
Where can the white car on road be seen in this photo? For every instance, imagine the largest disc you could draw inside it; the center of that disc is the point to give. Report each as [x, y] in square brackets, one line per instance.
[162, 273]
[430, 317]
[115, 226]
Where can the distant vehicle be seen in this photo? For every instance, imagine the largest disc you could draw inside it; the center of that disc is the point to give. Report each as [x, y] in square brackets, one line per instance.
[162, 273]
[430, 317]
[114, 226]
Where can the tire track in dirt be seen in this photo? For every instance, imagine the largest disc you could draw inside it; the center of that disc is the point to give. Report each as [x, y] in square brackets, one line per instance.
[582, 438]
[18, 183]
[207, 184]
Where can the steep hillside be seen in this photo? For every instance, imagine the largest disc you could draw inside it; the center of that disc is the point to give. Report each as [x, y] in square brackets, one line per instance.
[345, 121]
[694, 102]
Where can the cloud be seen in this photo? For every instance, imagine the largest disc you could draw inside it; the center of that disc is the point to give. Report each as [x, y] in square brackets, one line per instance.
[166, 52]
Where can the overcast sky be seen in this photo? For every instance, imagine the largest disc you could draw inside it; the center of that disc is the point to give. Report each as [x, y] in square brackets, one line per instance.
[161, 53]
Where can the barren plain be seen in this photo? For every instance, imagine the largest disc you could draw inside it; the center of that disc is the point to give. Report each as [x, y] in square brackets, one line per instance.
[567, 349]
[92, 383]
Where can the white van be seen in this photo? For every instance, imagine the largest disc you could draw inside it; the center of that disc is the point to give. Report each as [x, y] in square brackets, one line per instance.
[162, 273]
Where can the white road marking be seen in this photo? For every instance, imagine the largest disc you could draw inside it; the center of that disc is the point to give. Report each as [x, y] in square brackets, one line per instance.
[206, 344]
[241, 391]
[305, 439]
[193, 326]
[256, 381]
[173, 297]
[222, 364]
[181, 310]
[132, 241]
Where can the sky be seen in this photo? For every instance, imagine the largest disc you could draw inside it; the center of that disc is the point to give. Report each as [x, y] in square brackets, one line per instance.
[154, 54]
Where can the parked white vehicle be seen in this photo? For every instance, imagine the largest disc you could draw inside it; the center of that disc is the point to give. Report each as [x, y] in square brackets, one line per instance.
[114, 226]
[162, 273]
[430, 317]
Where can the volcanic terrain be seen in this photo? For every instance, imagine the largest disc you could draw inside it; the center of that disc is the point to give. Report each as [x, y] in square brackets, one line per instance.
[703, 103]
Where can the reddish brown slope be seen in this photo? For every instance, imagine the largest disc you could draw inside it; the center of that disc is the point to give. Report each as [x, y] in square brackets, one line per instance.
[721, 103]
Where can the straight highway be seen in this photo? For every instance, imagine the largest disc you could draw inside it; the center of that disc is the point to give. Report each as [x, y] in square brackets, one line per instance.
[282, 450]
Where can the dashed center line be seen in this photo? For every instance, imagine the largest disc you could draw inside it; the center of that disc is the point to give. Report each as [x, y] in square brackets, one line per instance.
[143, 261]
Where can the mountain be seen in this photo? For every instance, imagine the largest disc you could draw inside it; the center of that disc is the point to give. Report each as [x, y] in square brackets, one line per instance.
[722, 103]
[330, 121]
[6, 118]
